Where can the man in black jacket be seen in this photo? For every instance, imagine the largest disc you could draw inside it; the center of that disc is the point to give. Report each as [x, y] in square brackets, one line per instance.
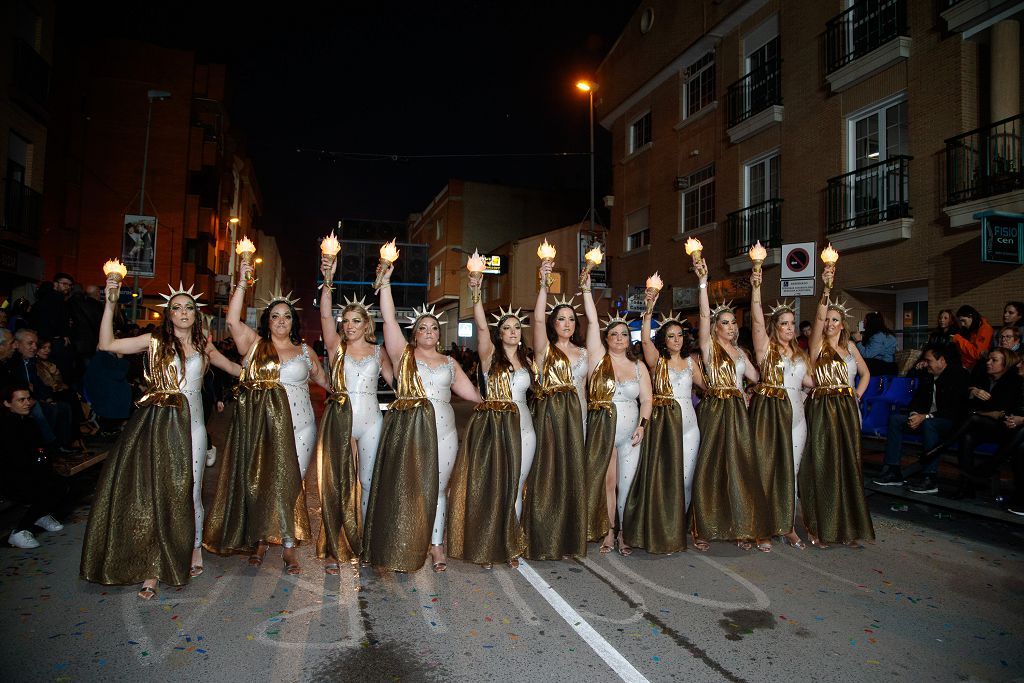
[937, 407]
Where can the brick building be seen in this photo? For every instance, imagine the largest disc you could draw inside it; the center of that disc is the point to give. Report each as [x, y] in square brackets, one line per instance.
[882, 126]
[468, 215]
[197, 175]
[26, 53]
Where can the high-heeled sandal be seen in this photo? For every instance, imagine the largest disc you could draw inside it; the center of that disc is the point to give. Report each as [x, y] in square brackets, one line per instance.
[195, 570]
[514, 563]
[763, 546]
[256, 559]
[624, 549]
[798, 543]
[816, 542]
[147, 593]
[291, 567]
[441, 565]
[744, 545]
[701, 545]
[607, 547]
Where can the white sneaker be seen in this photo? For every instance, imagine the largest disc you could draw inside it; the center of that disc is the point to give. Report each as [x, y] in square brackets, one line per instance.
[211, 456]
[49, 523]
[23, 539]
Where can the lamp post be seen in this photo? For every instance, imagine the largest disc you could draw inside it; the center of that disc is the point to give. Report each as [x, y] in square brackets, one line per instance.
[589, 87]
[154, 96]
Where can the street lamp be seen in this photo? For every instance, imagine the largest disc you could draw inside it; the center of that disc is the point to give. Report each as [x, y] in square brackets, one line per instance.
[154, 96]
[589, 87]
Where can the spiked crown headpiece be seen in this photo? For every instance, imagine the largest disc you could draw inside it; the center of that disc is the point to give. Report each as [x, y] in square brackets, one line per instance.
[177, 292]
[279, 298]
[836, 305]
[418, 313]
[724, 307]
[563, 301]
[361, 302]
[781, 307]
[614, 320]
[502, 314]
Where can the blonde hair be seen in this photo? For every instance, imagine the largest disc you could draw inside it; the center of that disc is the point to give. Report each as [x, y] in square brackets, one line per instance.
[772, 329]
[368, 334]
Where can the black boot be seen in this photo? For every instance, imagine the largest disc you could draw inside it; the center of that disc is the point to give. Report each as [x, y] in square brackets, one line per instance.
[965, 489]
[891, 476]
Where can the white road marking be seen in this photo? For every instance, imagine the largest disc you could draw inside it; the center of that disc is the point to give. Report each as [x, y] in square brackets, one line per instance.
[432, 617]
[824, 572]
[528, 615]
[612, 657]
[761, 600]
[638, 612]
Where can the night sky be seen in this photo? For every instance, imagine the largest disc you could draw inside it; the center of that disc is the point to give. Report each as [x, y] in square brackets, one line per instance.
[350, 110]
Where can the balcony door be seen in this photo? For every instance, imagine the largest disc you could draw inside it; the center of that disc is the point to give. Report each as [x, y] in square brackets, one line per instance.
[761, 186]
[762, 67]
[878, 148]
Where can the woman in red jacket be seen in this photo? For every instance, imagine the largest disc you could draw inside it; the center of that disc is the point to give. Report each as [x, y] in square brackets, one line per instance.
[974, 337]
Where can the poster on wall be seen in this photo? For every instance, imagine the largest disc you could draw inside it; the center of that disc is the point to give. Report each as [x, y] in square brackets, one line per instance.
[138, 245]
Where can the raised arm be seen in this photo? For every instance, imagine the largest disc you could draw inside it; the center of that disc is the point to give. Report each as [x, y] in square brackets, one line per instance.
[394, 340]
[651, 354]
[540, 328]
[595, 349]
[758, 328]
[704, 327]
[243, 335]
[484, 346]
[107, 341]
[818, 327]
[328, 325]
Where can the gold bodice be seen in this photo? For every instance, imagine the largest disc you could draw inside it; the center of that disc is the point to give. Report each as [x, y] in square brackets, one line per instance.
[163, 383]
[773, 372]
[408, 385]
[662, 383]
[261, 368]
[556, 374]
[602, 385]
[720, 374]
[831, 376]
[339, 391]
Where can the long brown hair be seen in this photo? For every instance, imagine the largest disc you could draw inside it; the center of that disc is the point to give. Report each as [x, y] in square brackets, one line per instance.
[170, 345]
[500, 362]
[629, 347]
[772, 328]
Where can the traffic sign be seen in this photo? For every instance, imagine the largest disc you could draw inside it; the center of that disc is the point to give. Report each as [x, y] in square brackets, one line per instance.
[798, 260]
[798, 287]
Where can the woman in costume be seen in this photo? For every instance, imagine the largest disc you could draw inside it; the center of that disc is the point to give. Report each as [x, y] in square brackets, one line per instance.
[147, 515]
[271, 437]
[830, 480]
[555, 501]
[350, 425]
[619, 409]
[655, 511]
[777, 411]
[728, 499]
[497, 452]
[405, 516]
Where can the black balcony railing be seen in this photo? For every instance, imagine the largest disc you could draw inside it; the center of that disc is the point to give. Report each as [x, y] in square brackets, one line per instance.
[31, 72]
[869, 195]
[758, 222]
[755, 92]
[985, 162]
[23, 208]
[868, 24]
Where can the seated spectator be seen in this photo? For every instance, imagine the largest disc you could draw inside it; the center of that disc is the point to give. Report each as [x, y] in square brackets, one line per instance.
[988, 404]
[1013, 448]
[52, 418]
[948, 326]
[1008, 337]
[53, 387]
[974, 336]
[804, 340]
[6, 351]
[877, 344]
[938, 405]
[1013, 314]
[29, 478]
[18, 316]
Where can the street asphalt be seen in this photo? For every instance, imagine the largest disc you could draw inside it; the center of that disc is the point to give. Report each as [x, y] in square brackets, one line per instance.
[936, 597]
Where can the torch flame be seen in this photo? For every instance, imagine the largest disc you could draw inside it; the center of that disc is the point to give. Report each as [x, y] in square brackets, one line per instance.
[245, 246]
[476, 262]
[388, 252]
[330, 246]
[595, 256]
[693, 244]
[654, 282]
[758, 252]
[546, 252]
[829, 255]
[115, 266]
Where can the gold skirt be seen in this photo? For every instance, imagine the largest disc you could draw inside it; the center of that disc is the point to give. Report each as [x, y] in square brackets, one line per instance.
[555, 497]
[600, 444]
[259, 494]
[772, 422]
[728, 499]
[142, 524]
[482, 525]
[339, 484]
[403, 495]
[831, 482]
[655, 512]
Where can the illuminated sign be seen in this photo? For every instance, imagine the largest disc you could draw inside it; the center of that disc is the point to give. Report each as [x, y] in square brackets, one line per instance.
[492, 265]
[1002, 237]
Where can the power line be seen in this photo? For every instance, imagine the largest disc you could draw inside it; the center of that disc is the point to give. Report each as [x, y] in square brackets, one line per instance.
[328, 155]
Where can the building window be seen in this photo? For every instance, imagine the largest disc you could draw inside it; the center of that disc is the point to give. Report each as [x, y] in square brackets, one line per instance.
[761, 179]
[640, 133]
[638, 231]
[437, 274]
[699, 90]
[438, 227]
[698, 202]
[879, 135]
